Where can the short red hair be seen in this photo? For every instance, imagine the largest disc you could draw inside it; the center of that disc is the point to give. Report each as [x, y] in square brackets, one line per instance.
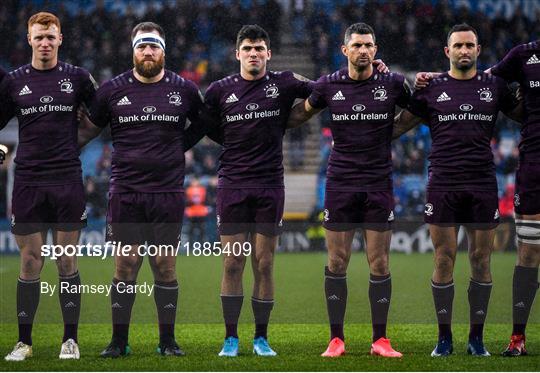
[44, 18]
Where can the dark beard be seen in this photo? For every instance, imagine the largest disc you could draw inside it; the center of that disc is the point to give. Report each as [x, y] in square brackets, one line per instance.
[149, 69]
[465, 66]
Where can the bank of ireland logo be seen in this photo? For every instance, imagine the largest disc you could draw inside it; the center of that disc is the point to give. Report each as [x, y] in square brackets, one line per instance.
[516, 200]
[271, 91]
[379, 93]
[174, 98]
[326, 215]
[429, 209]
[149, 109]
[485, 94]
[66, 85]
[359, 107]
[252, 106]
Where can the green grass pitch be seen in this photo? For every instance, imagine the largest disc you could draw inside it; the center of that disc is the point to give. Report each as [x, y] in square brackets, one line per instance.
[298, 330]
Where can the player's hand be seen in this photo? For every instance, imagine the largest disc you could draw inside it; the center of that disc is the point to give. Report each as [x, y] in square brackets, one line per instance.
[381, 66]
[3, 153]
[422, 80]
[82, 113]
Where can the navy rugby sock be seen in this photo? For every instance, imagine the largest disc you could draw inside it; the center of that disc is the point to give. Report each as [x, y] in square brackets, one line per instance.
[70, 303]
[380, 291]
[166, 297]
[479, 293]
[27, 302]
[525, 285]
[443, 297]
[335, 289]
[231, 305]
[121, 305]
[261, 311]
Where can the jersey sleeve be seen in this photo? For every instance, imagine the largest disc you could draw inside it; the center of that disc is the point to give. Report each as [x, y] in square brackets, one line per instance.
[507, 99]
[317, 98]
[99, 108]
[418, 104]
[88, 89]
[202, 122]
[404, 96]
[302, 86]
[509, 68]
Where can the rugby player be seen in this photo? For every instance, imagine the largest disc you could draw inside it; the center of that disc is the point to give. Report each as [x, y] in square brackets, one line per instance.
[253, 107]
[522, 65]
[147, 108]
[48, 192]
[461, 108]
[362, 105]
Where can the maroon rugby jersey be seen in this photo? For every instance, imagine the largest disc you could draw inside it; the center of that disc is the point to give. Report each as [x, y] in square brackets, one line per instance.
[461, 115]
[253, 116]
[522, 65]
[45, 103]
[147, 125]
[362, 117]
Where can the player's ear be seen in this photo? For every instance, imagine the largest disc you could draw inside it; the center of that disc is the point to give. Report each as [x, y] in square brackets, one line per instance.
[479, 49]
[238, 55]
[344, 50]
[28, 37]
[60, 37]
[269, 54]
[447, 52]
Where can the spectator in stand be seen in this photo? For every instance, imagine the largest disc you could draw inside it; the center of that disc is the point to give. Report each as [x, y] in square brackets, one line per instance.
[196, 211]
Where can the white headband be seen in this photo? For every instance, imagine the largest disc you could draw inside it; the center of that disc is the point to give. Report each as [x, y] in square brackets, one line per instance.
[149, 38]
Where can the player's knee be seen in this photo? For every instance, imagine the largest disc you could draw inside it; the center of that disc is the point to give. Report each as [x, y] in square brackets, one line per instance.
[66, 265]
[444, 262]
[165, 274]
[337, 263]
[379, 266]
[126, 269]
[529, 256]
[31, 265]
[233, 266]
[480, 262]
[265, 266]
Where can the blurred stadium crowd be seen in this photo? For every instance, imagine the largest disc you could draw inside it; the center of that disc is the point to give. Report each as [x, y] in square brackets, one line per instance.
[200, 45]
